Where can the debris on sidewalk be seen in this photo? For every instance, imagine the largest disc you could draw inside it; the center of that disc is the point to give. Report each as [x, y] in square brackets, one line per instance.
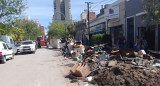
[104, 65]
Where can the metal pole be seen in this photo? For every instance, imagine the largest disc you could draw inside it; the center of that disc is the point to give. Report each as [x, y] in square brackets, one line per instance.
[89, 41]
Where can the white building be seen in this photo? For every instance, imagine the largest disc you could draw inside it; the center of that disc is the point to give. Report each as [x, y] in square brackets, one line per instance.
[84, 14]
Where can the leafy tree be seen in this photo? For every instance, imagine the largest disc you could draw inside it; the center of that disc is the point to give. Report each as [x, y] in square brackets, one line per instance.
[7, 29]
[56, 30]
[71, 29]
[60, 29]
[10, 8]
[17, 34]
[31, 29]
[152, 7]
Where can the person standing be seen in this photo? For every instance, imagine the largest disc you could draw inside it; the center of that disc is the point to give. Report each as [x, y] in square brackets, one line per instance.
[137, 45]
[121, 41]
[144, 44]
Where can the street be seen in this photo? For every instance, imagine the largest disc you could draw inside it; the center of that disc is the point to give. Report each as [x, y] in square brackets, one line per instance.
[44, 68]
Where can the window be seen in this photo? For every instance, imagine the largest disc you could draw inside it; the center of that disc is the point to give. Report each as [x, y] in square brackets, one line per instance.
[5, 47]
[27, 42]
[11, 41]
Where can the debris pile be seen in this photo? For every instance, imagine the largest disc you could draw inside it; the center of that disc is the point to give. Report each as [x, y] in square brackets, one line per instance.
[105, 65]
[125, 75]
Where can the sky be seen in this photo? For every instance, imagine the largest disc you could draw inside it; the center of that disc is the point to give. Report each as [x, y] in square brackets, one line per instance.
[43, 9]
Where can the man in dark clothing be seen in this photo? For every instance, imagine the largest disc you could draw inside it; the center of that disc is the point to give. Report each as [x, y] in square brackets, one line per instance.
[121, 42]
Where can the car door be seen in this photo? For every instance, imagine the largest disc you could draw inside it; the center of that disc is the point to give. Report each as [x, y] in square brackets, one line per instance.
[4, 49]
[8, 52]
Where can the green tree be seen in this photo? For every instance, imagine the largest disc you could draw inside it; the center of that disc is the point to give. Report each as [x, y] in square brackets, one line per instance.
[60, 29]
[17, 34]
[31, 29]
[71, 30]
[56, 30]
[8, 29]
[152, 7]
[10, 8]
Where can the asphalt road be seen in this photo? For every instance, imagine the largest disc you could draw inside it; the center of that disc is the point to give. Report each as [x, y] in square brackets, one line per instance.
[44, 68]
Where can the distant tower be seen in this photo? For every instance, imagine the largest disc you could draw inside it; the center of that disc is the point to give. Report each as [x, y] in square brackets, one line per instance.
[62, 11]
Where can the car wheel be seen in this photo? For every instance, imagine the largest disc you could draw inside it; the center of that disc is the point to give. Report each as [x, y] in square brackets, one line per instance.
[4, 60]
[33, 52]
[21, 53]
[16, 53]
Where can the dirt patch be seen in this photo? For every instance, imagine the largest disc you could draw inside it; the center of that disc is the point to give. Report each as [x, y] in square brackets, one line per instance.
[125, 75]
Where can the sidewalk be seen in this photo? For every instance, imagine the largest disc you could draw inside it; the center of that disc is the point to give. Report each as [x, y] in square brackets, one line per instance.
[64, 66]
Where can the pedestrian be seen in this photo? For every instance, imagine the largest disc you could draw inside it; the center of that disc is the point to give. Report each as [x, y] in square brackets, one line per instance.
[144, 44]
[137, 45]
[121, 41]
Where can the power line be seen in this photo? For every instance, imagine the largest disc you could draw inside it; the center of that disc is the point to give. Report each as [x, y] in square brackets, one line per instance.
[100, 3]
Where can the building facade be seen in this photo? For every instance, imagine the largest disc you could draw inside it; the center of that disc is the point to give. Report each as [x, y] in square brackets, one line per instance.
[80, 34]
[84, 15]
[136, 27]
[98, 24]
[115, 20]
[62, 11]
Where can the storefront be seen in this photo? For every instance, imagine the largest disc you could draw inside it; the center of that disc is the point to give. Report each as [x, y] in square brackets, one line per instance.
[135, 25]
[115, 20]
[116, 32]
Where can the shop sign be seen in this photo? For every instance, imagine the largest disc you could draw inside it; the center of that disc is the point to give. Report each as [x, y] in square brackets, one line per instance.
[112, 12]
[97, 28]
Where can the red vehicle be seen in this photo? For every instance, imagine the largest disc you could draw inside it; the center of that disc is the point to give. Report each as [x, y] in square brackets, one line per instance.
[41, 41]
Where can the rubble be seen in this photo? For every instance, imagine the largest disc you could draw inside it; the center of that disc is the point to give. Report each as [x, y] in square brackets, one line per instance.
[112, 63]
[107, 66]
[81, 70]
[124, 75]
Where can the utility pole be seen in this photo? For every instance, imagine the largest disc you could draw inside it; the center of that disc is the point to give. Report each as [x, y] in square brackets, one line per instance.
[89, 41]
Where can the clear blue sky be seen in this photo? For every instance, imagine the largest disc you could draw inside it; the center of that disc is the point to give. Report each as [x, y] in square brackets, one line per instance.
[43, 9]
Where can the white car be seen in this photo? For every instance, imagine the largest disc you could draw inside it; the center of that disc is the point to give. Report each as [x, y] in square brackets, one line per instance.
[27, 46]
[5, 52]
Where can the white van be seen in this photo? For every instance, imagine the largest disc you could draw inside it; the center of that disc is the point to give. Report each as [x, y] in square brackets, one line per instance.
[9, 41]
[5, 52]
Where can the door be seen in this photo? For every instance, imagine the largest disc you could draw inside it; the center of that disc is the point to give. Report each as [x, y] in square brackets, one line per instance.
[116, 32]
[130, 32]
[8, 53]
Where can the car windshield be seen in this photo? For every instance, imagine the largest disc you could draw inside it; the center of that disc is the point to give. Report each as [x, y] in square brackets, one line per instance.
[27, 42]
[17, 45]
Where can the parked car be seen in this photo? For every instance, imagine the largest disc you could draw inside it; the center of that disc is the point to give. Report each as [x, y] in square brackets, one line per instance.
[5, 52]
[18, 47]
[27, 46]
[9, 41]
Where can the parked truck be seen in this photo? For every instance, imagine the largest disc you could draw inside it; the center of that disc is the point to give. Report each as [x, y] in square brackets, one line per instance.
[41, 40]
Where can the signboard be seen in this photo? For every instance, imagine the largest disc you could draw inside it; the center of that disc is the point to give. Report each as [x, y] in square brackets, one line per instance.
[97, 28]
[112, 12]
